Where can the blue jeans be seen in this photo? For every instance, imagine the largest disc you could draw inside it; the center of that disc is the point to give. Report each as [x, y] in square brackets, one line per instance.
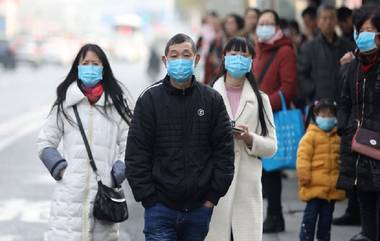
[165, 224]
[321, 210]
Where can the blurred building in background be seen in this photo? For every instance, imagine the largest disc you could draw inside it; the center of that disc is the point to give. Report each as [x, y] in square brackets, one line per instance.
[52, 31]
[9, 24]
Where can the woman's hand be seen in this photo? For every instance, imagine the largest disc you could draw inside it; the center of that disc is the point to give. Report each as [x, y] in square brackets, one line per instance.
[118, 173]
[208, 204]
[347, 58]
[245, 136]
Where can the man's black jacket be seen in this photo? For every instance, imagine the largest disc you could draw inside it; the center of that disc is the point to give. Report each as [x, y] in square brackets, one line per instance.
[318, 68]
[180, 149]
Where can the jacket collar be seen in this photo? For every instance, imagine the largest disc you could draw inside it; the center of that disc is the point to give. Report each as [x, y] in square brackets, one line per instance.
[315, 128]
[264, 47]
[174, 91]
[336, 41]
[247, 95]
[75, 96]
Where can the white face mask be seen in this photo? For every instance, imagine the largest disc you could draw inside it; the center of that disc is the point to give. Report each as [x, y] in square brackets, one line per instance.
[265, 32]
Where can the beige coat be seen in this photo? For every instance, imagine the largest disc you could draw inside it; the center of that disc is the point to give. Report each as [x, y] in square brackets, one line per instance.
[242, 208]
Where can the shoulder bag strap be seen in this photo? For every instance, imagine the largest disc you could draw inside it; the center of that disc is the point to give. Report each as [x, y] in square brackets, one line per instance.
[266, 67]
[92, 162]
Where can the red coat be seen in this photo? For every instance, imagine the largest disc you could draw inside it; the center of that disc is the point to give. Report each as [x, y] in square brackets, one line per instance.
[281, 74]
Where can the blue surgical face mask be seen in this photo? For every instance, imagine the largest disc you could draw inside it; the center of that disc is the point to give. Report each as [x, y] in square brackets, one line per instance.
[265, 32]
[326, 123]
[237, 65]
[90, 75]
[180, 70]
[365, 41]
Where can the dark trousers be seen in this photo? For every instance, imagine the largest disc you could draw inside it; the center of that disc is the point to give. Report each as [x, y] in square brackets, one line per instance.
[165, 224]
[272, 188]
[353, 203]
[370, 214]
[321, 211]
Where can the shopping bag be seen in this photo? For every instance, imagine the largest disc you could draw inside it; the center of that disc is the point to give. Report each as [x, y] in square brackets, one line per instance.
[290, 128]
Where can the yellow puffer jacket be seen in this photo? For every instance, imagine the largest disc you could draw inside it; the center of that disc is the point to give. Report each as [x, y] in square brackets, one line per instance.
[318, 165]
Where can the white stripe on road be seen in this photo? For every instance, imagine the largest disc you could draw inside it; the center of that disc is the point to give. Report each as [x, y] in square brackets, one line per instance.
[24, 211]
[9, 237]
[16, 128]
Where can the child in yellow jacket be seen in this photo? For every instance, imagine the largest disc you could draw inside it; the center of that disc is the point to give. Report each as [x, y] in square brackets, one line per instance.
[317, 170]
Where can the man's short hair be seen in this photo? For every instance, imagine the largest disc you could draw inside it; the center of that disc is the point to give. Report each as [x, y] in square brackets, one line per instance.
[323, 8]
[310, 11]
[178, 39]
[343, 13]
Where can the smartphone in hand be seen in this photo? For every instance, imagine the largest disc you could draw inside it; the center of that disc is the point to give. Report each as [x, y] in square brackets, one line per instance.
[237, 130]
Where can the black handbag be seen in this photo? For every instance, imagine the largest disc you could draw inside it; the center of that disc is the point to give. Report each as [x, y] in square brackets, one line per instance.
[110, 204]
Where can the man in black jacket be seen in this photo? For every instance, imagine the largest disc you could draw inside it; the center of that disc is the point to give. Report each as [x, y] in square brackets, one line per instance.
[180, 152]
[318, 64]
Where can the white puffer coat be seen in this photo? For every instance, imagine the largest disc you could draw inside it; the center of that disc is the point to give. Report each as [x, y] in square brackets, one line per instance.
[71, 217]
[241, 210]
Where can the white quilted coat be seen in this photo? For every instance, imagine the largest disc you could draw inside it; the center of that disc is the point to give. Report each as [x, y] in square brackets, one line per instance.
[241, 210]
[71, 216]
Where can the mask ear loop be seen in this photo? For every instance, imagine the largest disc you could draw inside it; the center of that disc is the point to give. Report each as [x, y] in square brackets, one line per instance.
[356, 35]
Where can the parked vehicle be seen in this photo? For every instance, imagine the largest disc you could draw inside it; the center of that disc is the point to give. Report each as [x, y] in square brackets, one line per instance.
[29, 51]
[7, 54]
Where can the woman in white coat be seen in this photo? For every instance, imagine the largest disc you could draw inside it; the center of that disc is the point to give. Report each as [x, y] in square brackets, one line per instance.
[103, 109]
[239, 215]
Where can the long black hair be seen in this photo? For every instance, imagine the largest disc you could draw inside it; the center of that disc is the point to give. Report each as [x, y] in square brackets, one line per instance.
[111, 86]
[243, 44]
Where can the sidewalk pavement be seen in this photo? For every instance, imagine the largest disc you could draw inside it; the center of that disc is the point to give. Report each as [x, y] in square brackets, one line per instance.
[293, 212]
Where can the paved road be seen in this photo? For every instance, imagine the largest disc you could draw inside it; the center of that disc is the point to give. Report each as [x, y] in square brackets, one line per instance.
[25, 185]
[293, 211]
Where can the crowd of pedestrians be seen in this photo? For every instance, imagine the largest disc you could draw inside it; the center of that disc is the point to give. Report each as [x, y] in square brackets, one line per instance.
[193, 149]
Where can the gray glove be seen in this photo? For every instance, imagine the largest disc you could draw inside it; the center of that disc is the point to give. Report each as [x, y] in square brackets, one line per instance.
[118, 173]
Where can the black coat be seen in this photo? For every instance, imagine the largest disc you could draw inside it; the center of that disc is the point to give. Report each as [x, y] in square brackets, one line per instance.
[358, 169]
[180, 149]
[318, 67]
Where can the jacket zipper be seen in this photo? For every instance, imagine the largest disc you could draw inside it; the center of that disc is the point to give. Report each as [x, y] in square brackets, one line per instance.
[86, 205]
[330, 168]
[360, 123]
[184, 142]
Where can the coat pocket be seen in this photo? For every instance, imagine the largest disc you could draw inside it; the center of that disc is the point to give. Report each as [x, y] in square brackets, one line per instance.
[317, 164]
